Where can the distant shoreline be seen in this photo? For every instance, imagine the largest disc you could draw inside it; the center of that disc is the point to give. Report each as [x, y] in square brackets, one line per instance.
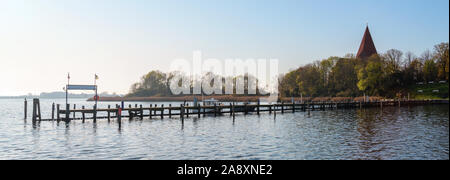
[179, 98]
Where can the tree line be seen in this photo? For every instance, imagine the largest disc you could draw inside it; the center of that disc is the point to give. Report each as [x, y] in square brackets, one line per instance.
[157, 83]
[390, 74]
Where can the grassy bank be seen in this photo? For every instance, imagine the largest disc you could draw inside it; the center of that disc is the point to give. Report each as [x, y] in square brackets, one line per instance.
[428, 91]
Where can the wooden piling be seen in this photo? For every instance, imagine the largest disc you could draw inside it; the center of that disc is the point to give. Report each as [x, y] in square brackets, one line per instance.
[67, 112]
[130, 113]
[170, 110]
[162, 111]
[95, 113]
[309, 109]
[25, 109]
[109, 113]
[36, 110]
[182, 112]
[282, 107]
[204, 111]
[53, 111]
[257, 107]
[245, 108]
[232, 109]
[187, 110]
[215, 110]
[150, 113]
[74, 107]
[58, 118]
[274, 111]
[141, 112]
[119, 116]
[83, 114]
[199, 108]
[293, 107]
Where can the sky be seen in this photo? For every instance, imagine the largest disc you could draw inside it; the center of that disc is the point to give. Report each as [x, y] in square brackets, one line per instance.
[121, 40]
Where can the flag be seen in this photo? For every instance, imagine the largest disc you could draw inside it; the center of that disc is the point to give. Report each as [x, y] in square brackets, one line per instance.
[96, 77]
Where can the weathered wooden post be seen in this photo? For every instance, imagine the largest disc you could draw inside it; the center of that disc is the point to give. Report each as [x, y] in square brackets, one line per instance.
[234, 113]
[257, 107]
[245, 109]
[309, 109]
[34, 116]
[141, 111]
[274, 111]
[36, 110]
[109, 113]
[204, 111]
[282, 107]
[130, 113]
[57, 112]
[53, 111]
[170, 110]
[95, 113]
[231, 111]
[83, 114]
[67, 112]
[154, 110]
[199, 108]
[74, 107]
[293, 107]
[25, 107]
[119, 115]
[182, 112]
[187, 110]
[162, 111]
[215, 110]
[270, 109]
[150, 111]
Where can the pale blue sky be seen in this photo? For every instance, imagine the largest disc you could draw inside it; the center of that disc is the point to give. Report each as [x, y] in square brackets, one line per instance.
[42, 40]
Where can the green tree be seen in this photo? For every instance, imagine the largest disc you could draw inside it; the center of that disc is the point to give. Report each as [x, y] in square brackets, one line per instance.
[153, 83]
[371, 78]
[442, 60]
[344, 78]
[430, 70]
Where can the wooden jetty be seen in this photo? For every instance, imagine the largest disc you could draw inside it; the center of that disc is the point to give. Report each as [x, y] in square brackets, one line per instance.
[182, 111]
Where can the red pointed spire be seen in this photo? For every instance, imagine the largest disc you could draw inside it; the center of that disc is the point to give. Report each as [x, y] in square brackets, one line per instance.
[367, 47]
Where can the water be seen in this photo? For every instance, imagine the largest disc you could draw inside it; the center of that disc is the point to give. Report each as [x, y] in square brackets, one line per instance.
[392, 133]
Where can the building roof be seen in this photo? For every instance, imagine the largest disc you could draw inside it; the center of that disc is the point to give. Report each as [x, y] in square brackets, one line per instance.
[367, 47]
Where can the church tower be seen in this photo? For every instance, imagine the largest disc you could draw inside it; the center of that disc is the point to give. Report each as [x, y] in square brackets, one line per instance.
[367, 47]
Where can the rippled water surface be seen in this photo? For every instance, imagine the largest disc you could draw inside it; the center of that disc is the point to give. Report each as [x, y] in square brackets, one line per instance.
[390, 133]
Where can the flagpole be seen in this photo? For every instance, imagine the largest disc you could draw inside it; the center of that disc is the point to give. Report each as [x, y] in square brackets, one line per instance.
[96, 92]
[67, 91]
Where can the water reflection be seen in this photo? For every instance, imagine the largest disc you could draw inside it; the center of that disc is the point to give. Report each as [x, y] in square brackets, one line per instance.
[374, 133]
